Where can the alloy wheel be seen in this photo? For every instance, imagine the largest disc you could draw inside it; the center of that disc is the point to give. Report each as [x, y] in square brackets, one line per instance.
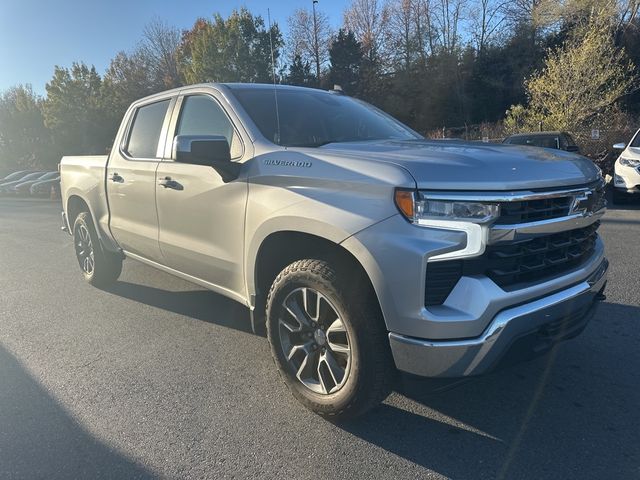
[84, 249]
[314, 341]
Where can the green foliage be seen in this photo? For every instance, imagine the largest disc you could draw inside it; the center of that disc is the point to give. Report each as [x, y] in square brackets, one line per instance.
[580, 83]
[74, 111]
[300, 73]
[345, 57]
[546, 63]
[235, 49]
[128, 78]
[24, 139]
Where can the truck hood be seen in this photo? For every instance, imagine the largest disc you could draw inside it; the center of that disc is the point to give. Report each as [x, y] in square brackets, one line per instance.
[457, 165]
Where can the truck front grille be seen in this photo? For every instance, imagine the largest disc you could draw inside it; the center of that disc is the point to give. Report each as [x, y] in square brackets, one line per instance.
[525, 211]
[515, 265]
[512, 213]
[536, 259]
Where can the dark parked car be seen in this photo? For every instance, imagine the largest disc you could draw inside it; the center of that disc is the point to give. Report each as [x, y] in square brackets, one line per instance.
[22, 188]
[43, 187]
[557, 140]
[6, 186]
[15, 176]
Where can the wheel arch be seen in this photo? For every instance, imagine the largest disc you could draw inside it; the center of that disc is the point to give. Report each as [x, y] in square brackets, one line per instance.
[282, 248]
[75, 206]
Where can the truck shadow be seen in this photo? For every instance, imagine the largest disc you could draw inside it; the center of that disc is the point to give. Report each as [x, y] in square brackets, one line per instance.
[40, 439]
[202, 305]
[573, 413]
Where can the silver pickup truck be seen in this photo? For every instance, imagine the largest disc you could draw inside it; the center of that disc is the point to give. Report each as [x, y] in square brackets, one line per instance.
[363, 248]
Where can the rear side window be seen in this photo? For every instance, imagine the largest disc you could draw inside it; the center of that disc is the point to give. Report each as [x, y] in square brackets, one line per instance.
[201, 115]
[146, 129]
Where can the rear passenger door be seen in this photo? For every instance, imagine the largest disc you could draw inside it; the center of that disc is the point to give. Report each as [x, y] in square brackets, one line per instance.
[131, 179]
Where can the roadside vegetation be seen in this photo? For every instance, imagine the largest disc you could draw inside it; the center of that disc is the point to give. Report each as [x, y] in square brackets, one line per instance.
[468, 68]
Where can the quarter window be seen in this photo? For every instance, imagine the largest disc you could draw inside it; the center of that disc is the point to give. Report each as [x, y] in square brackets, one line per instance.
[201, 115]
[146, 129]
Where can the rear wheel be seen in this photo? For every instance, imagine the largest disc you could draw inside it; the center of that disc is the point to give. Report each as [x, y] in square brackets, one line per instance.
[99, 266]
[328, 340]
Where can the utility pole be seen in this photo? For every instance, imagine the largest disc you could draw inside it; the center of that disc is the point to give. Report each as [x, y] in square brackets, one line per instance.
[316, 51]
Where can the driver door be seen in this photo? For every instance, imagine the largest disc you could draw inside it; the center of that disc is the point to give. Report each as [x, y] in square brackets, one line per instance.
[200, 217]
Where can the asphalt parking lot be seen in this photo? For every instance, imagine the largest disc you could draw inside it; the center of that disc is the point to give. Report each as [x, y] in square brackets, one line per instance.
[158, 378]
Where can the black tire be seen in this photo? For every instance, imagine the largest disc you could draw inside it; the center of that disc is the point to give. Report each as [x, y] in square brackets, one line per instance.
[370, 372]
[105, 266]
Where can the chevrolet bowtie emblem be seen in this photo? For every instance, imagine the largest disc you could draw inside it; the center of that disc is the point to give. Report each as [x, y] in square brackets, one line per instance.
[583, 203]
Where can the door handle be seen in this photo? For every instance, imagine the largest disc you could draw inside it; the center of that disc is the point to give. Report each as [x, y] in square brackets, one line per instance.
[116, 178]
[167, 182]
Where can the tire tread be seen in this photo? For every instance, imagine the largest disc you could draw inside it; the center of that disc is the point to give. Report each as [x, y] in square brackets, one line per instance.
[377, 364]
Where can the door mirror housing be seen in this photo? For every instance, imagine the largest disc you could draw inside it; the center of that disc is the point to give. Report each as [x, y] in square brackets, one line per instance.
[572, 148]
[201, 149]
[619, 146]
[207, 150]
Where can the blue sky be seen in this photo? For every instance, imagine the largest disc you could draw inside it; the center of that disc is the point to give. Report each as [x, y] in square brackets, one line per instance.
[36, 35]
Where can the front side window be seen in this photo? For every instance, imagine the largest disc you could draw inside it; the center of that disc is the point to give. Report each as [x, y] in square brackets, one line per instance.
[201, 115]
[146, 130]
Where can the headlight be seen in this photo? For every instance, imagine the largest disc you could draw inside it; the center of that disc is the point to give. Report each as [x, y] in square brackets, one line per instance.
[420, 210]
[629, 162]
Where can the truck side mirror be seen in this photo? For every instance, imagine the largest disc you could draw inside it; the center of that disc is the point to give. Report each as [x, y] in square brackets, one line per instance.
[619, 146]
[201, 149]
[208, 150]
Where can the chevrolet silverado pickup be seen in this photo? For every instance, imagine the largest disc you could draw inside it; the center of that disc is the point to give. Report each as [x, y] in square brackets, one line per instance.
[361, 247]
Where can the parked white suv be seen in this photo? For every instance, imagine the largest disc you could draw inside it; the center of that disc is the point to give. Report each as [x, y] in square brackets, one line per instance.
[626, 177]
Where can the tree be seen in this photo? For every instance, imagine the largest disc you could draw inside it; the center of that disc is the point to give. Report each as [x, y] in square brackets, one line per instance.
[158, 51]
[24, 140]
[367, 19]
[486, 20]
[580, 82]
[309, 38]
[300, 73]
[74, 111]
[448, 17]
[425, 34]
[345, 58]
[236, 49]
[128, 78]
[401, 32]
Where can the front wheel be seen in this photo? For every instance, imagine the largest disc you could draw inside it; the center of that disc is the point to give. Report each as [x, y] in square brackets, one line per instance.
[328, 340]
[99, 267]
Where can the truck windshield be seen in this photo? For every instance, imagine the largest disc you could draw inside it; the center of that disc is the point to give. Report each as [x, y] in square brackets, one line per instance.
[311, 118]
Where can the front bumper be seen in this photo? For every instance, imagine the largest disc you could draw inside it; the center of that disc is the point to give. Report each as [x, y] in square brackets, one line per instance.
[514, 333]
[626, 179]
